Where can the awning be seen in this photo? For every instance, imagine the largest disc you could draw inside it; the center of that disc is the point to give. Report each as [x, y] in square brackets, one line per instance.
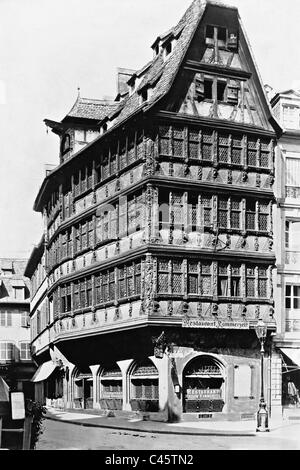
[44, 371]
[293, 354]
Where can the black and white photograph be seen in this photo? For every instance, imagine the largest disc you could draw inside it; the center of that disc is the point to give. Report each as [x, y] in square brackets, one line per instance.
[150, 228]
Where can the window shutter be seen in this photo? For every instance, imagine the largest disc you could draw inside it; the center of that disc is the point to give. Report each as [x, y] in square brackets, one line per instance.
[233, 92]
[232, 42]
[199, 87]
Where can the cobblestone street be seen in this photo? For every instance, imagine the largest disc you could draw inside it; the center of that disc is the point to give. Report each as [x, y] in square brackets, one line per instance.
[66, 436]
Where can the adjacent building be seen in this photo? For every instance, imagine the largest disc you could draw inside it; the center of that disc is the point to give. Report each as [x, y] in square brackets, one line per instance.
[157, 258]
[16, 365]
[286, 108]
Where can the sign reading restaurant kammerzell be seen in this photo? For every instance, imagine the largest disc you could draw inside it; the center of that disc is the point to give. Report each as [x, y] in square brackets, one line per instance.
[226, 324]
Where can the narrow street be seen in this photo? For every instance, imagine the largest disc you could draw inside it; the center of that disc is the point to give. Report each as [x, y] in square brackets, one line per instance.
[65, 436]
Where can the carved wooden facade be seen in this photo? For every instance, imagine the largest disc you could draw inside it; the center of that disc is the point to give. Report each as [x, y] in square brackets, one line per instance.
[167, 215]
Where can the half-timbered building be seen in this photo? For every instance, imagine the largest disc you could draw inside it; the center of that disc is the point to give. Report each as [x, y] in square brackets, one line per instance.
[158, 240]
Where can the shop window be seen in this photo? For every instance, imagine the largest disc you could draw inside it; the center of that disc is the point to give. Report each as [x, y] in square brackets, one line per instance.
[144, 387]
[203, 386]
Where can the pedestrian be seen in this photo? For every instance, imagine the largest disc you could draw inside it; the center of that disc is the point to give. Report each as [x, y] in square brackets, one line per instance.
[292, 392]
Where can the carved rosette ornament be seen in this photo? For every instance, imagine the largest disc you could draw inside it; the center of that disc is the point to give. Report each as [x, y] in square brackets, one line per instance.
[130, 310]
[170, 308]
[244, 311]
[256, 244]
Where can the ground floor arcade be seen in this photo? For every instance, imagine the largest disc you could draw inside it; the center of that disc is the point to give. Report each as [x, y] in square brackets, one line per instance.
[203, 373]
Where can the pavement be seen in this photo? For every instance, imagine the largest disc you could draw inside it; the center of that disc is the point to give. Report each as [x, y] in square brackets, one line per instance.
[278, 427]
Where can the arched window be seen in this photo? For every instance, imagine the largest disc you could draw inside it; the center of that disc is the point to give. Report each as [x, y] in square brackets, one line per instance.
[203, 387]
[111, 392]
[144, 387]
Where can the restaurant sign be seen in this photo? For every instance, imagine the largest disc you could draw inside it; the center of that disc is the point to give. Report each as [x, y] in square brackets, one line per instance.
[222, 324]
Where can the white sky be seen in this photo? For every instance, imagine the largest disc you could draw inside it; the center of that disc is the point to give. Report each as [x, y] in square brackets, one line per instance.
[49, 48]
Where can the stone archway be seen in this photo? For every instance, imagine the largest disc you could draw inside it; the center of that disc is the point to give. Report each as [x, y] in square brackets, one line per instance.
[82, 381]
[203, 385]
[110, 387]
[143, 378]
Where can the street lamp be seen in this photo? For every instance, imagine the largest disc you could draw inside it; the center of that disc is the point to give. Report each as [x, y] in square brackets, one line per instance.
[262, 414]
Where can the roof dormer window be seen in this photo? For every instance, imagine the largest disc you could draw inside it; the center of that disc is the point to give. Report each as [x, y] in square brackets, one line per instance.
[144, 95]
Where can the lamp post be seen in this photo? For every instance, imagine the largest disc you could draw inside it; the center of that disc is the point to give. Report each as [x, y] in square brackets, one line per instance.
[262, 414]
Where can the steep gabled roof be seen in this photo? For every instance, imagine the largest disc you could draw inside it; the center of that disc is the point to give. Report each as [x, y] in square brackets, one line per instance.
[164, 71]
[86, 108]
